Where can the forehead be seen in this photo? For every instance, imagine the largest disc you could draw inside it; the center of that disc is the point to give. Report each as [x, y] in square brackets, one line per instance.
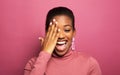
[63, 20]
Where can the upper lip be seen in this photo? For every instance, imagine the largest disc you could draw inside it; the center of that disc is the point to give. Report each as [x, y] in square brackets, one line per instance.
[61, 40]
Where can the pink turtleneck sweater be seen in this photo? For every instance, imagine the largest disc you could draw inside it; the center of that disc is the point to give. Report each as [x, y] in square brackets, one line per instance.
[73, 63]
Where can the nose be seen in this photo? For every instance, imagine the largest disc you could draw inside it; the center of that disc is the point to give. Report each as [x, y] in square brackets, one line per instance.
[62, 35]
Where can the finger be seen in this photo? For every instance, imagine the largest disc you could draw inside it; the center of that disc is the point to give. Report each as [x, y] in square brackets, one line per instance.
[54, 32]
[58, 30]
[51, 31]
[55, 28]
[54, 22]
[41, 40]
[48, 31]
[57, 36]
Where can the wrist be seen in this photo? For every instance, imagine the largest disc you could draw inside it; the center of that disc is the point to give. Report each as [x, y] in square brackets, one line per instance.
[48, 51]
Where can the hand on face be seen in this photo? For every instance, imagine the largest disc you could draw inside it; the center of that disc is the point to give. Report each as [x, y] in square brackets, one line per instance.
[49, 42]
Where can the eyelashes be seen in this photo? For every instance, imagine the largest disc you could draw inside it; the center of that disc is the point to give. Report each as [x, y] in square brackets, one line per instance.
[66, 30]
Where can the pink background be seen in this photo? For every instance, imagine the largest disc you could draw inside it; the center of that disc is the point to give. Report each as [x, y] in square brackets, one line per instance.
[22, 22]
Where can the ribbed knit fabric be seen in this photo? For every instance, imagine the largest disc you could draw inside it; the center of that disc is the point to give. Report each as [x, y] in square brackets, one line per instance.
[73, 63]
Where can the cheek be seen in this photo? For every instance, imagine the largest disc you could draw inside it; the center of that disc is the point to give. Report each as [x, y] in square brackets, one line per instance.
[70, 36]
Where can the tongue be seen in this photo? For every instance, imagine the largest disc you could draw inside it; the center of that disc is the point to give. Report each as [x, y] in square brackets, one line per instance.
[60, 47]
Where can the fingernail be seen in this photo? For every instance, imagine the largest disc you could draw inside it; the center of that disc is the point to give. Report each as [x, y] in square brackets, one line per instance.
[54, 20]
[39, 38]
[50, 23]
[58, 30]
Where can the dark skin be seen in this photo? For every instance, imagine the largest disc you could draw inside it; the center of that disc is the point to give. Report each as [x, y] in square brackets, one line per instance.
[60, 30]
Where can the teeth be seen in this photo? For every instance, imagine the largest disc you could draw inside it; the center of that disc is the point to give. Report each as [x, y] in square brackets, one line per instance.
[63, 42]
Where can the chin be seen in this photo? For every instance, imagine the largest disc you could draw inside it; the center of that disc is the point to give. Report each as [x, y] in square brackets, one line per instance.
[60, 53]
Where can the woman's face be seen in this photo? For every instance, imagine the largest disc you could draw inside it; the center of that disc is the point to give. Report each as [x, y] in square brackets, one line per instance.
[64, 23]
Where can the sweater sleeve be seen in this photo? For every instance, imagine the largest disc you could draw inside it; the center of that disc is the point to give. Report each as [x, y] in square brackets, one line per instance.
[37, 66]
[94, 68]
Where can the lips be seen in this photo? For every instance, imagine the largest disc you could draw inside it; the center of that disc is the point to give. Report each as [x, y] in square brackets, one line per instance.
[61, 45]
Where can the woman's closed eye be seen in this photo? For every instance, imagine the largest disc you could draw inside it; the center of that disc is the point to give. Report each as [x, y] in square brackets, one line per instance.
[67, 30]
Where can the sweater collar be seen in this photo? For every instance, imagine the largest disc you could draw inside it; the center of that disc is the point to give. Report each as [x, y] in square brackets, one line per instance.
[66, 56]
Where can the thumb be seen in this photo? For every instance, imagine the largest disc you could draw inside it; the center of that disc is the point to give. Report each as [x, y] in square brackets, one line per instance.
[41, 40]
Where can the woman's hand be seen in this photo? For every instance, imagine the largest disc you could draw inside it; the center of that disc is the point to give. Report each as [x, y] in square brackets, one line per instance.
[49, 42]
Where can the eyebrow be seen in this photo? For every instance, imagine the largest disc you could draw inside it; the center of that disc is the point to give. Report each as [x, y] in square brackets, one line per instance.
[67, 25]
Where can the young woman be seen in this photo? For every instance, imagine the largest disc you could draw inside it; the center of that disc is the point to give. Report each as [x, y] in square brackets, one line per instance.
[57, 56]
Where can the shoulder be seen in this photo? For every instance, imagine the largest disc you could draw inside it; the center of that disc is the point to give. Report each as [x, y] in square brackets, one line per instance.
[90, 62]
[84, 57]
[81, 55]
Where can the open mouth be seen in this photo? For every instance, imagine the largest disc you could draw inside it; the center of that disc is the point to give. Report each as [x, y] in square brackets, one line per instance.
[61, 42]
[61, 45]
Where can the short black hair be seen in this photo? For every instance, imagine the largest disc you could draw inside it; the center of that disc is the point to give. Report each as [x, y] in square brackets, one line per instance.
[59, 11]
